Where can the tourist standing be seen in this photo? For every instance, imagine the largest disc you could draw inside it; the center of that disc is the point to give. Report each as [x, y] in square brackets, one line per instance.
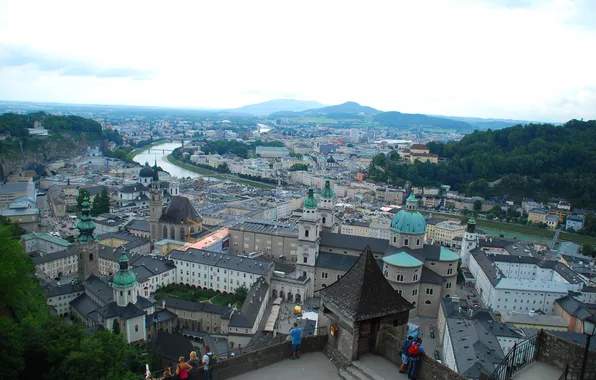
[404, 354]
[415, 353]
[296, 334]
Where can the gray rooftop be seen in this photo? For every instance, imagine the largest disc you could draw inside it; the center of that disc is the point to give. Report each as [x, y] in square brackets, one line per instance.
[71, 251]
[227, 261]
[247, 315]
[267, 227]
[58, 290]
[97, 287]
[359, 243]
[139, 225]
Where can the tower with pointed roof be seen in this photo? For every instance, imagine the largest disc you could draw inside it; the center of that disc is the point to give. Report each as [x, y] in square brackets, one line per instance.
[408, 226]
[86, 243]
[124, 283]
[309, 240]
[326, 204]
[358, 305]
[469, 242]
[155, 208]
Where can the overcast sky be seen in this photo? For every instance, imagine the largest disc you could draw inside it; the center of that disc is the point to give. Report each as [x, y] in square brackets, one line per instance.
[524, 59]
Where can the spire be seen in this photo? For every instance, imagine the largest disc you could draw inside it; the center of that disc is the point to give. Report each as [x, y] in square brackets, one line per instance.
[327, 192]
[86, 225]
[310, 201]
[125, 277]
[411, 202]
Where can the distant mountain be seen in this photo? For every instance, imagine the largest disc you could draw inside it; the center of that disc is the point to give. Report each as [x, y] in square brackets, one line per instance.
[277, 105]
[346, 110]
[396, 119]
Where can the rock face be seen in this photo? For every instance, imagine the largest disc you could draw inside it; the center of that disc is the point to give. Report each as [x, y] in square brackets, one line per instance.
[26, 156]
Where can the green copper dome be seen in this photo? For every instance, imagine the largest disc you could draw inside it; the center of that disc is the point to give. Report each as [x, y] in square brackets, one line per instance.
[86, 225]
[327, 192]
[125, 278]
[408, 222]
[310, 201]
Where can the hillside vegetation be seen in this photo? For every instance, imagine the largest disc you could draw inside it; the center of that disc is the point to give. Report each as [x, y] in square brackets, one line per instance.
[539, 161]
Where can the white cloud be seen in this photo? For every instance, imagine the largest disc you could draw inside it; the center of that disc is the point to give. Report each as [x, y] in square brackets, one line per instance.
[528, 60]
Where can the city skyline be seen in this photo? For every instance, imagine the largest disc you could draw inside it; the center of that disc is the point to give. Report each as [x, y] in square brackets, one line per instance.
[490, 59]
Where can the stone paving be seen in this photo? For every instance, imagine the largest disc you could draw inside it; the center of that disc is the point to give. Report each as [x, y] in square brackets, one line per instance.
[538, 370]
[312, 366]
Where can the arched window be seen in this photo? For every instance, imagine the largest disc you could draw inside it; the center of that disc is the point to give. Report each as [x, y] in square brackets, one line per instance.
[306, 233]
[165, 232]
[91, 257]
[394, 239]
[182, 233]
[122, 293]
[136, 328]
[324, 220]
[172, 233]
[417, 242]
[399, 277]
[406, 241]
[427, 302]
[415, 277]
[129, 292]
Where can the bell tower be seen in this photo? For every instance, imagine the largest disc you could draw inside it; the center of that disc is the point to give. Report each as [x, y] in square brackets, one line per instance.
[86, 244]
[469, 242]
[327, 202]
[155, 209]
[309, 240]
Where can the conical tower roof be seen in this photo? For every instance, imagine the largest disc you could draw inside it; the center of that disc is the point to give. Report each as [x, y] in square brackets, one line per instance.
[310, 201]
[86, 225]
[327, 192]
[363, 292]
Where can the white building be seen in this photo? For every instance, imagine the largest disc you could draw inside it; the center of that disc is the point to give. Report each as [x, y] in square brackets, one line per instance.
[216, 271]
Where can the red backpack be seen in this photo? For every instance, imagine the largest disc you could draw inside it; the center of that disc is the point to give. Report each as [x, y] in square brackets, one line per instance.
[413, 350]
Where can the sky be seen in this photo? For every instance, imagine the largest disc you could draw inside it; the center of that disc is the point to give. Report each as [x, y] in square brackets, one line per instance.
[524, 59]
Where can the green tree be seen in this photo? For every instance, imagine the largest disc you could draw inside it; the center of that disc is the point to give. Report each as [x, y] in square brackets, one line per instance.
[477, 205]
[394, 156]
[297, 167]
[240, 294]
[588, 250]
[96, 206]
[82, 194]
[104, 202]
[496, 210]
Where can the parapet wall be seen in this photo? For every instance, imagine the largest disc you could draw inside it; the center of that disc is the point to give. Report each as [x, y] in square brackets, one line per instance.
[559, 352]
[389, 345]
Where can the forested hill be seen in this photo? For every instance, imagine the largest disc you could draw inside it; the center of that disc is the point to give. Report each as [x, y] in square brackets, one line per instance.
[17, 125]
[539, 161]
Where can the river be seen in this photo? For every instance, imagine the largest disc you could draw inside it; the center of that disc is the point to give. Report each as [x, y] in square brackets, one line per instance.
[160, 153]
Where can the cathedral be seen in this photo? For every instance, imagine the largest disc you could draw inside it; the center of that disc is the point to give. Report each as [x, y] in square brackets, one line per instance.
[177, 221]
[423, 274]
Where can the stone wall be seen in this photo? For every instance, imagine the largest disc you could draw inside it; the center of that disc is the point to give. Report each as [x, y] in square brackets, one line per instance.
[559, 352]
[389, 345]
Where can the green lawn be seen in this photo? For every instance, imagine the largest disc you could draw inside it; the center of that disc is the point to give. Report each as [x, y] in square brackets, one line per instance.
[196, 295]
[215, 174]
[527, 230]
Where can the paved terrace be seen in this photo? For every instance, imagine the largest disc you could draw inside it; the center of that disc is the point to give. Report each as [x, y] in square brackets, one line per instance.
[313, 365]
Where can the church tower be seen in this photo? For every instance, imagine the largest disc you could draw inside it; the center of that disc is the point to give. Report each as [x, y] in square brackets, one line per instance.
[408, 226]
[125, 283]
[86, 244]
[470, 241]
[155, 208]
[309, 239]
[326, 204]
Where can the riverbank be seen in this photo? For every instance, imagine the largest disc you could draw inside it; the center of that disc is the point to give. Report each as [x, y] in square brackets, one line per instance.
[210, 173]
[140, 150]
[524, 229]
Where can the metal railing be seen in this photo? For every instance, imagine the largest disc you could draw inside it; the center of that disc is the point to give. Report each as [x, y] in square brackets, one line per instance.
[574, 373]
[520, 355]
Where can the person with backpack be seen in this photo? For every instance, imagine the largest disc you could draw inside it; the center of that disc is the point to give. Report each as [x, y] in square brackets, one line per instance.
[415, 352]
[209, 362]
[404, 354]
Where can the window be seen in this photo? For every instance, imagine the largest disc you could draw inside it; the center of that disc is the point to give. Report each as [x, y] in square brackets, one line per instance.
[399, 291]
[406, 242]
[448, 285]
[136, 328]
[122, 293]
[417, 241]
[386, 273]
[427, 302]
[414, 292]
[306, 233]
[399, 277]
[324, 220]
[429, 291]
[324, 275]
[415, 277]
[449, 271]
[304, 260]
[338, 276]
[394, 239]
